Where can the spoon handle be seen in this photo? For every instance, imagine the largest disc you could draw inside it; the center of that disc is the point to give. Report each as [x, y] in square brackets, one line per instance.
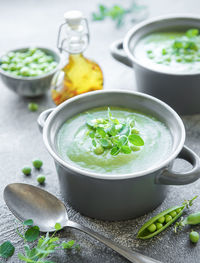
[132, 256]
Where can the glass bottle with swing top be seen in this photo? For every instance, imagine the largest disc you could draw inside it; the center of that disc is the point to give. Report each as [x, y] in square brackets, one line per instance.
[80, 75]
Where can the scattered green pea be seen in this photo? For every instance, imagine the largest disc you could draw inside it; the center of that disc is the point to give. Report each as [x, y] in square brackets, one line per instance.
[173, 214]
[194, 236]
[152, 228]
[33, 106]
[41, 179]
[37, 163]
[159, 226]
[168, 218]
[26, 170]
[164, 51]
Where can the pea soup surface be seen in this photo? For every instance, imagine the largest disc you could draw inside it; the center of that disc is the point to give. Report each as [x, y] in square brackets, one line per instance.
[177, 52]
[76, 147]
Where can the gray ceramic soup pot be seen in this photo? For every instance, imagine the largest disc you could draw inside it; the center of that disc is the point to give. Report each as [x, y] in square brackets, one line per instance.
[179, 90]
[118, 197]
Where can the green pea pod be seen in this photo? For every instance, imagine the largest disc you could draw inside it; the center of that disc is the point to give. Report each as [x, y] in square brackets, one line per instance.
[192, 219]
[144, 232]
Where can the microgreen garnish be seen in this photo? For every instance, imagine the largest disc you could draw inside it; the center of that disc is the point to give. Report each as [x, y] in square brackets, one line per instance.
[117, 12]
[44, 246]
[113, 134]
[184, 49]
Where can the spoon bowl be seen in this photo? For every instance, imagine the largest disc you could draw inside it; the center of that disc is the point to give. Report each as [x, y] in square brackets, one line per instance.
[30, 202]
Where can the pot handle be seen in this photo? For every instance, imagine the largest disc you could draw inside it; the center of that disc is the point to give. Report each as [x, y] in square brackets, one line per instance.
[118, 53]
[170, 177]
[43, 117]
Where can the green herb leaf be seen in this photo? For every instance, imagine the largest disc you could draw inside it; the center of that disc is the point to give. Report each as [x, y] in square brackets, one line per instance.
[192, 33]
[90, 120]
[125, 130]
[32, 233]
[101, 132]
[112, 131]
[7, 249]
[117, 13]
[126, 149]
[105, 143]
[58, 226]
[123, 140]
[136, 140]
[132, 123]
[94, 143]
[92, 135]
[178, 44]
[28, 222]
[115, 150]
[68, 245]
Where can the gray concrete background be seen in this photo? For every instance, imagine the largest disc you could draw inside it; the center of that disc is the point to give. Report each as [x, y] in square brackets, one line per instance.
[24, 22]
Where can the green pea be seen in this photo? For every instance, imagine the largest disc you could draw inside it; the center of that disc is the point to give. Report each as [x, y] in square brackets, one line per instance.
[28, 60]
[53, 64]
[132, 123]
[49, 58]
[178, 210]
[161, 219]
[32, 50]
[19, 66]
[135, 148]
[164, 51]
[152, 228]
[168, 218]
[134, 131]
[151, 56]
[12, 67]
[43, 66]
[33, 106]
[24, 71]
[41, 179]
[11, 54]
[168, 59]
[194, 236]
[37, 163]
[4, 59]
[178, 59]
[159, 226]
[173, 213]
[42, 60]
[5, 66]
[149, 51]
[26, 170]
[99, 150]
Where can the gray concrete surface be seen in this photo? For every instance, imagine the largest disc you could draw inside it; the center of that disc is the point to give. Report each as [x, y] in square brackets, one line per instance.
[28, 22]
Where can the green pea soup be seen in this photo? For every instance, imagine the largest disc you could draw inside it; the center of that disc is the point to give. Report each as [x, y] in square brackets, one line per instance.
[75, 146]
[173, 52]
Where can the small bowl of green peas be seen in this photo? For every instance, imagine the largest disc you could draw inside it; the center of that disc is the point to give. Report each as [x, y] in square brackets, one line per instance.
[28, 71]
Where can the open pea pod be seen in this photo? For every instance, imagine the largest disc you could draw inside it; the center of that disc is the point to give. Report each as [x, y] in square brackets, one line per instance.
[169, 216]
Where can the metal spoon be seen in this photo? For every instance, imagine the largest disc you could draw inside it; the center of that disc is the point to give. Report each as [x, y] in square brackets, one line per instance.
[30, 202]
